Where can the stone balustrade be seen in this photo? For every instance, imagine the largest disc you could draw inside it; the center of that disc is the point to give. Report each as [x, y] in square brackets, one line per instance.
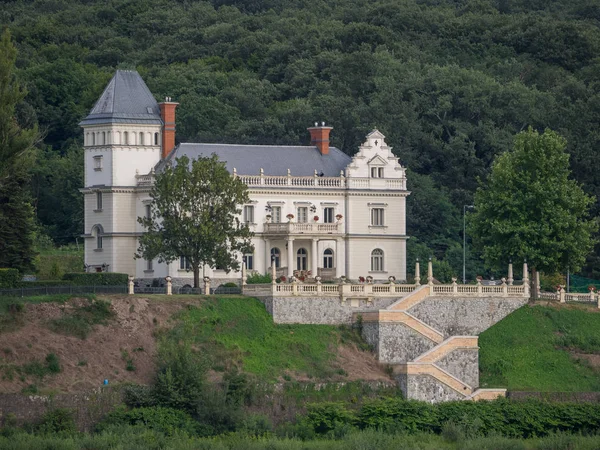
[301, 228]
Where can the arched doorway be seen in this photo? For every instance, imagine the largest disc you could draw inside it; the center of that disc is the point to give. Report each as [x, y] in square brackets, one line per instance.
[328, 259]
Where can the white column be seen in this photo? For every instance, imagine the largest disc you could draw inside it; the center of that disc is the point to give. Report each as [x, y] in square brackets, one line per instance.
[267, 255]
[290, 256]
[339, 262]
[315, 257]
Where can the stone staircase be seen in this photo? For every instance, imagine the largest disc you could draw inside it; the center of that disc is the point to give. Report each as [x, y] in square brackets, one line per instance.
[422, 337]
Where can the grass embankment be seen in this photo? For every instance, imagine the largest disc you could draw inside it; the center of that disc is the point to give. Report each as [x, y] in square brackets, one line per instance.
[541, 348]
[52, 264]
[239, 331]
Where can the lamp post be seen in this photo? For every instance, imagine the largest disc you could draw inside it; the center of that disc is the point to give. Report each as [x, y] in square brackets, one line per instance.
[465, 241]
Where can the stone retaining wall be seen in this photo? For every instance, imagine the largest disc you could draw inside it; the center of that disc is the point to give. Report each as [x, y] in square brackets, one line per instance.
[455, 316]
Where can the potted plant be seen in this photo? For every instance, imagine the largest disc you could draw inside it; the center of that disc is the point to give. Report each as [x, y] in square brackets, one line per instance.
[369, 279]
[268, 217]
[339, 217]
[290, 216]
[361, 279]
[316, 218]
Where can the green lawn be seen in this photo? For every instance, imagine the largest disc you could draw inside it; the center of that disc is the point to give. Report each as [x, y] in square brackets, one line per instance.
[531, 350]
[239, 330]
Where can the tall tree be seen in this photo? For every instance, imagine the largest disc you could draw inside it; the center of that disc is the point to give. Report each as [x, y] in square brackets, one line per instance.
[530, 209]
[14, 140]
[195, 214]
[17, 223]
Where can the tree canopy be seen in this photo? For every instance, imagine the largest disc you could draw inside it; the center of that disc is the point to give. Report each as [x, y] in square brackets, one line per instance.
[529, 208]
[195, 214]
[448, 82]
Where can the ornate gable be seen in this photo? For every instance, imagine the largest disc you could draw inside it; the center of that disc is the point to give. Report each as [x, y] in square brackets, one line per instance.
[374, 152]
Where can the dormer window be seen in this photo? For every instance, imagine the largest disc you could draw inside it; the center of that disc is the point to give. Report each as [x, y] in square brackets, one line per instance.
[376, 172]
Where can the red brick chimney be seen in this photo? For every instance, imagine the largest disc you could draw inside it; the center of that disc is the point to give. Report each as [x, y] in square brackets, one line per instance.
[319, 136]
[167, 113]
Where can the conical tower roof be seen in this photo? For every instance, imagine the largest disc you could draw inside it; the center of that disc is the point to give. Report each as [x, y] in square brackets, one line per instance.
[126, 99]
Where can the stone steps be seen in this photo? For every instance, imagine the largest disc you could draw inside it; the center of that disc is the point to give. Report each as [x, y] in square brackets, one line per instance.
[449, 345]
[415, 297]
[405, 318]
[415, 368]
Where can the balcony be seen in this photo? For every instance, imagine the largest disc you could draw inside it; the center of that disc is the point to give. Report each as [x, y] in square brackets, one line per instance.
[292, 228]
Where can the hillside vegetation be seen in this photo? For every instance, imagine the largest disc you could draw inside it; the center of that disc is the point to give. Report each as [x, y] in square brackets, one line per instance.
[448, 82]
[543, 348]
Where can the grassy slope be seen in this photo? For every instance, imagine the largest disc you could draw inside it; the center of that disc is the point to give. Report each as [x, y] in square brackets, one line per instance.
[529, 350]
[239, 330]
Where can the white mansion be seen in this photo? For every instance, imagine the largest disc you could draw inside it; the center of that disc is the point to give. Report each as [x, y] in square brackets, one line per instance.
[313, 209]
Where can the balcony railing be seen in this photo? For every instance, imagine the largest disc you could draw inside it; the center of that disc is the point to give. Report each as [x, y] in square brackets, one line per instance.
[301, 228]
[319, 182]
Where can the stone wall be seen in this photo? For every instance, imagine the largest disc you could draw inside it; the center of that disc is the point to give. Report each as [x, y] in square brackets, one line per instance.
[319, 310]
[88, 408]
[399, 343]
[463, 363]
[426, 388]
[455, 316]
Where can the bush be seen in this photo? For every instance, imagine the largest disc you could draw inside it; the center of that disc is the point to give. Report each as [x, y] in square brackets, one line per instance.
[97, 279]
[165, 420]
[257, 278]
[58, 421]
[80, 323]
[229, 285]
[53, 363]
[44, 283]
[9, 278]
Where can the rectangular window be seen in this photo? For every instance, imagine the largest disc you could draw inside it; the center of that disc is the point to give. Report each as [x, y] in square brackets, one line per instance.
[97, 163]
[99, 242]
[148, 211]
[276, 214]
[149, 265]
[328, 215]
[376, 172]
[377, 217]
[184, 264]
[249, 214]
[98, 201]
[302, 214]
[249, 261]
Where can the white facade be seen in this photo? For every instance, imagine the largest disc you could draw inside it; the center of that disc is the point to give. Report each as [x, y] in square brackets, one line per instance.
[352, 224]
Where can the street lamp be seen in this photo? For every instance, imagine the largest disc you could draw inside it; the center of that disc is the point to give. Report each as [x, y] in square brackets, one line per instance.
[465, 241]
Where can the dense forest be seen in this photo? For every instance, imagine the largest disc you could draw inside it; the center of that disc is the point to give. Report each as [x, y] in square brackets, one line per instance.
[449, 82]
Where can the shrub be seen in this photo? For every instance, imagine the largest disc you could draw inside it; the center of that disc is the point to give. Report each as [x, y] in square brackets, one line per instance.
[327, 416]
[44, 283]
[80, 323]
[165, 420]
[180, 379]
[257, 278]
[9, 278]
[58, 421]
[53, 363]
[229, 285]
[97, 279]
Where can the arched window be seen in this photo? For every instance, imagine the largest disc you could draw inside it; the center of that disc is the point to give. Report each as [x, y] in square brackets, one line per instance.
[97, 232]
[301, 259]
[141, 139]
[276, 257]
[377, 260]
[125, 138]
[328, 259]
[155, 138]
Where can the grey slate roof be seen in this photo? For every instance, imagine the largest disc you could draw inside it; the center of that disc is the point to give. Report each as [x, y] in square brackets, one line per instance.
[125, 99]
[273, 159]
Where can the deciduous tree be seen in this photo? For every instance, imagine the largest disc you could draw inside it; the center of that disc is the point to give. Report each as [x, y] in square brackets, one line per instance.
[530, 208]
[195, 214]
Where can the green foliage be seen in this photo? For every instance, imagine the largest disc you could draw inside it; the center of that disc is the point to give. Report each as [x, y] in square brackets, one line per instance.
[240, 331]
[39, 370]
[530, 209]
[164, 420]
[530, 350]
[9, 278]
[257, 278]
[97, 279]
[180, 378]
[229, 285]
[58, 421]
[53, 263]
[197, 203]
[80, 321]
